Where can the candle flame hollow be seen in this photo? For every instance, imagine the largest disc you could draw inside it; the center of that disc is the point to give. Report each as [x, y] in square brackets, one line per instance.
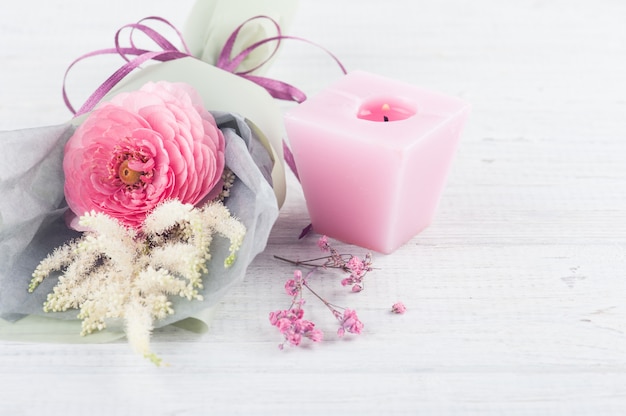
[386, 109]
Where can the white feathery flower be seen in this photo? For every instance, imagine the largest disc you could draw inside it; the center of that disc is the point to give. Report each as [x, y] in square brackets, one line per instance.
[181, 259]
[224, 224]
[166, 216]
[59, 258]
[114, 272]
[138, 319]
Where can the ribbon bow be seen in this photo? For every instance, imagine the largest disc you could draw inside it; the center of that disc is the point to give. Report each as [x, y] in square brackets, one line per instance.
[277, 89]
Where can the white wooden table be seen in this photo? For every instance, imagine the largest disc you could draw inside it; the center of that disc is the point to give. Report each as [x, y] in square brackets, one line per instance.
[516, 293]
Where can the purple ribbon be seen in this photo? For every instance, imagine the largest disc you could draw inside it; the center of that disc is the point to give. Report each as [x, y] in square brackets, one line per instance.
[277, 89]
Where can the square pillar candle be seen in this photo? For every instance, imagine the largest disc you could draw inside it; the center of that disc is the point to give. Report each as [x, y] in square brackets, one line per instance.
[372, 155]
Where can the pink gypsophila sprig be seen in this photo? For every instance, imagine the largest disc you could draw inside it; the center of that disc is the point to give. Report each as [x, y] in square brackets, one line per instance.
[290, 322]
[354, 266]
[348, 321]
[398, 308]
[142, 148]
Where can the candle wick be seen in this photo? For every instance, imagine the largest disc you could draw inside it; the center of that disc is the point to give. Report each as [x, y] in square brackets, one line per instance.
[385, 118]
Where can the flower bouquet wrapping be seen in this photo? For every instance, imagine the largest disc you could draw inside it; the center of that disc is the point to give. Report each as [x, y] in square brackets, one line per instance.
[144, 209]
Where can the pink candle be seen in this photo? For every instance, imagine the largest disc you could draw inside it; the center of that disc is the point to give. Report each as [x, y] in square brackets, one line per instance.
[373, 154]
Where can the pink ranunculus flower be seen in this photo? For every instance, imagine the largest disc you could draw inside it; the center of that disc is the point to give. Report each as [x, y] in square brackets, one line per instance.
[142, 148]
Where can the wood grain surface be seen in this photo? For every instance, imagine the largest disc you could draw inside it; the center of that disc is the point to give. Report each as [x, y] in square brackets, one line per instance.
[515, 294]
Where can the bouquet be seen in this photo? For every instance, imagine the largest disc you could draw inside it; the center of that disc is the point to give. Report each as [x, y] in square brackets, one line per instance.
[144, 209]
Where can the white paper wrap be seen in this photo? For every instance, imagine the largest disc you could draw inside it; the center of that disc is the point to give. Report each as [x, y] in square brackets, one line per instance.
[211, 22]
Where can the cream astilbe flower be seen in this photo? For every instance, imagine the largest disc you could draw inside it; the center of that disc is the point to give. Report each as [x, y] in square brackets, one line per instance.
[118, 272]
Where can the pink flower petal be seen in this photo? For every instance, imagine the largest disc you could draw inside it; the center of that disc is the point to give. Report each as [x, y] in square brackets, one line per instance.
[164, 133]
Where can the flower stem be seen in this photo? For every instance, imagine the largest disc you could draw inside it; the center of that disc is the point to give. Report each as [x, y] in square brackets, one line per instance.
[309, 261]
[329, 305]
[298, 262]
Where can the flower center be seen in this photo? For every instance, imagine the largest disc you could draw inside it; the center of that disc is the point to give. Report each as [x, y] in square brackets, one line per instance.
[127, 175]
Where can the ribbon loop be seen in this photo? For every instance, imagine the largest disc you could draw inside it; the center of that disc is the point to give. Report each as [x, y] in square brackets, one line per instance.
[227, 63]
[167, 53]
[135, 57]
